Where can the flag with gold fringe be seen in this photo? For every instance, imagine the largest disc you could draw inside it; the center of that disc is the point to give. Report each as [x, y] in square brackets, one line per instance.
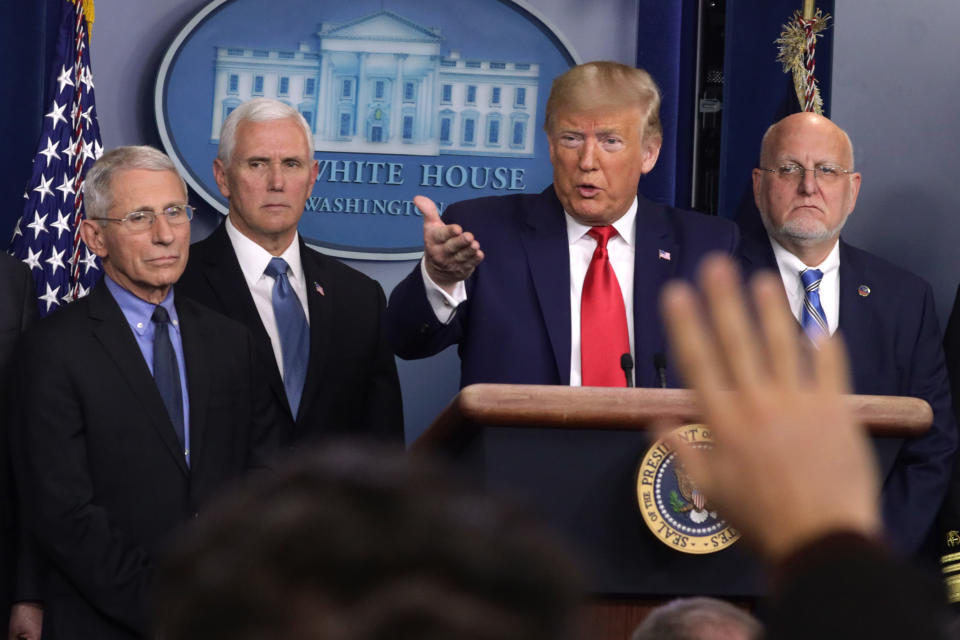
[47, 236]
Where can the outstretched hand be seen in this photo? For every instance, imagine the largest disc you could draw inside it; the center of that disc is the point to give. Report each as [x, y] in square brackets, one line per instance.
[450, 254]
[790, 464]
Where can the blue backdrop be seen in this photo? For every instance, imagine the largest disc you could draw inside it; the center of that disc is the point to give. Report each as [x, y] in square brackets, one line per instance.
[28, 34]
[756, 93]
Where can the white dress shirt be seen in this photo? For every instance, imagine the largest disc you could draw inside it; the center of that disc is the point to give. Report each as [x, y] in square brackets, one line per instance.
[253, 262]
[790, 267]
[621, 251]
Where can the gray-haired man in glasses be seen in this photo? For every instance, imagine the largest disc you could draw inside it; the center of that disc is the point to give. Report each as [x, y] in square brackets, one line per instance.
[805, 188]
[138, 405]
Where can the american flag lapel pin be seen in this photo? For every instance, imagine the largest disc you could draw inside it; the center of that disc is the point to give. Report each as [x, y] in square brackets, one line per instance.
[663, 255]
[318, 288]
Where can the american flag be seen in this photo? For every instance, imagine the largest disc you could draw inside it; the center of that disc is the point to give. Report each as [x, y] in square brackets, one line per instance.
[47, 236]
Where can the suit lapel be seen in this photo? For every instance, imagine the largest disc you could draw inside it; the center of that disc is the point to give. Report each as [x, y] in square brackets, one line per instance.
[756, 253]
[858, 319]
[863, 327]
[198, 377]
[656, 253]
[319, 305]
[222, 271]
[544, 237]
[114, 333]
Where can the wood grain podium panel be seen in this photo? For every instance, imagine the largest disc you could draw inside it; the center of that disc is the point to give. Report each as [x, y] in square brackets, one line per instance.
[554, 406]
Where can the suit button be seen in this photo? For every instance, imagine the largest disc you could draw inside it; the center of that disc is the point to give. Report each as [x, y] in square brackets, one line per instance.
[424, 328]
[195, 515]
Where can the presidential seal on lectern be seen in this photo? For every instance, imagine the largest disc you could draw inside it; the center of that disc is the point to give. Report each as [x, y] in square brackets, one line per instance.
[675, 509]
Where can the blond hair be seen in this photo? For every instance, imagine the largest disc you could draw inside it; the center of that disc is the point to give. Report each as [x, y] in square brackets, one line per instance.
[606, 85]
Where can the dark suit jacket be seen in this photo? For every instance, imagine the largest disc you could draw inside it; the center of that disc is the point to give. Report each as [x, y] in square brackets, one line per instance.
[515, 325]
[945, 538]
[893, 340]
[351, 387]
[18, 309]
[100, 471]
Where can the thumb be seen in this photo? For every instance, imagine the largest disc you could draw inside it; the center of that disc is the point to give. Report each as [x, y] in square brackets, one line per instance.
[426, 206]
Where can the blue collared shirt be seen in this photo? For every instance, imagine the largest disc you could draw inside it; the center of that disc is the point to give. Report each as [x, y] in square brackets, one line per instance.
[138, 314]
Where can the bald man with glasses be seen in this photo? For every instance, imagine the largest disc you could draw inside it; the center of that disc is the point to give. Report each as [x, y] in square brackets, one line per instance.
[805, 188]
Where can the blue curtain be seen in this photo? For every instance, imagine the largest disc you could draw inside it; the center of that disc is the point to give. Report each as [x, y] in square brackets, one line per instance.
[666, 47]
[757, 93]
[28, 34]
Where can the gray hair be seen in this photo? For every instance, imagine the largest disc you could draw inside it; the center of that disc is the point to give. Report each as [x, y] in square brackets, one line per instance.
[97, 189]
[693, 618]
[257, 110]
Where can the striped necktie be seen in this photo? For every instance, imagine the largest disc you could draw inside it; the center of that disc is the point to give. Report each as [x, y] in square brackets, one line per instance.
[812, 317]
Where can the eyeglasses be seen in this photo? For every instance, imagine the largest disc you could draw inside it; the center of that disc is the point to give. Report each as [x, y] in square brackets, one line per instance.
[143, 220]
[822, 172]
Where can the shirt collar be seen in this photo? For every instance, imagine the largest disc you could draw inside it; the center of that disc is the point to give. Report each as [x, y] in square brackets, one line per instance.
[254, 259]
[788, 261]
[139, 312]
[625, 226]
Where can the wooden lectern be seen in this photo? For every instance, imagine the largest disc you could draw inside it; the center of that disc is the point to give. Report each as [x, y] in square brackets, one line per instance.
[571, 454]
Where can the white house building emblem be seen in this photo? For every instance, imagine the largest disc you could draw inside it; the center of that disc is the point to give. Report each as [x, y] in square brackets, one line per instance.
[381, 84]
[401, 100]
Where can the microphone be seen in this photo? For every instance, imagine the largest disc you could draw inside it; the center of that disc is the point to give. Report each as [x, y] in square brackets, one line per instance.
[626, 363]
[660, 364]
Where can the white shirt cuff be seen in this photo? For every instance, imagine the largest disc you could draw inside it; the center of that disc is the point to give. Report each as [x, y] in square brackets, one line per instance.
[444, 305]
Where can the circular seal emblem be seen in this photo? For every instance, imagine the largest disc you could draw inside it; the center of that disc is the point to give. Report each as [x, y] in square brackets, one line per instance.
[401, 98]
[675, 509]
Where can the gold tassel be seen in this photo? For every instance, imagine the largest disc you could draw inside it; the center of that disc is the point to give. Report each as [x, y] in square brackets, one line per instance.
[88, 14]
[793, 45]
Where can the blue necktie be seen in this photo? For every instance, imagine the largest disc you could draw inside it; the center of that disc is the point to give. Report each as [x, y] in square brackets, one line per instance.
[813, 319]
[293, 330]
[166, 373]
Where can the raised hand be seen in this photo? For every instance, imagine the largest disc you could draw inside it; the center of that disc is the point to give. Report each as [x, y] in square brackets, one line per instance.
[790, 463]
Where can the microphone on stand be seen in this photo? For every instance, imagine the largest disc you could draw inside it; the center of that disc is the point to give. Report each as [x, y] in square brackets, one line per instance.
[660, 364]
[626, 363]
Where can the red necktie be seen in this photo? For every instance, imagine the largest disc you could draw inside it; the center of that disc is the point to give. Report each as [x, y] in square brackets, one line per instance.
[603, 319]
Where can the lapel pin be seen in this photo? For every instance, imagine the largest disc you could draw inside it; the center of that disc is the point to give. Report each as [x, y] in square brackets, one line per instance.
[863, 290]
[663, 255]
[318, 288]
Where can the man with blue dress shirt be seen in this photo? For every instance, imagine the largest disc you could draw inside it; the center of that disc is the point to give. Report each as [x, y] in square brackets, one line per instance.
[139, 405]
[805, 188]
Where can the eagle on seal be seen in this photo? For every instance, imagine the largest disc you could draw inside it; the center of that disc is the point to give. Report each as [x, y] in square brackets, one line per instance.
[689, 490]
